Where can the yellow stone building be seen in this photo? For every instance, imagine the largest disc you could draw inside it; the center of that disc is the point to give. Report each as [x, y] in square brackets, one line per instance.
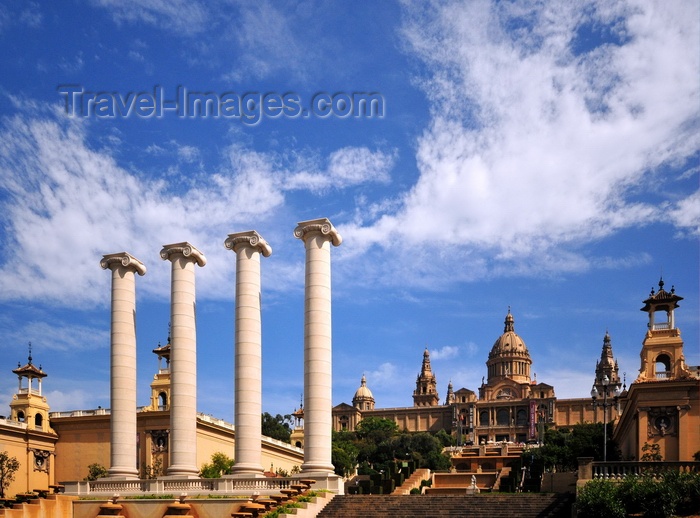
[662, 406]
[27, 434]
[510, 406]
[56, 447]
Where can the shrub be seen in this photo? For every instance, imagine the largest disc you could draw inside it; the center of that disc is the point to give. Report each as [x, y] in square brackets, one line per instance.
[599, 498]
[96, 471]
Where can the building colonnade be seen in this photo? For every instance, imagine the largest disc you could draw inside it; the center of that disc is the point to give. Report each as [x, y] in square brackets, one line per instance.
[317, 236]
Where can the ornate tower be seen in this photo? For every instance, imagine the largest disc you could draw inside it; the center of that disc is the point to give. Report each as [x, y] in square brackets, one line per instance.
[29, 405]
[606, 366]
[160, 386]
[450, 394]
[509, 357]
[363, 400]
[662, 348]
[426, 385]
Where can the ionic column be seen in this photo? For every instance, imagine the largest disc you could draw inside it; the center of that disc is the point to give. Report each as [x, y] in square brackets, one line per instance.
[123, 363]
[317, 235]
[248, 351]
[183, 359]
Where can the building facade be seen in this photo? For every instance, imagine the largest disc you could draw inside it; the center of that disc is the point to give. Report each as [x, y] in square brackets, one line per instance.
[56, 447]
[661, 406]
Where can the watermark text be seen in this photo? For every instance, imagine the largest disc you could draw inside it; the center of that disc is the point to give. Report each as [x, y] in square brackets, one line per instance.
[249, 108]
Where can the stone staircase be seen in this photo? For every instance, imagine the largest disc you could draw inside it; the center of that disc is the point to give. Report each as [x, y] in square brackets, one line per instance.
[53, 506]
[412, 482]
[527, 505]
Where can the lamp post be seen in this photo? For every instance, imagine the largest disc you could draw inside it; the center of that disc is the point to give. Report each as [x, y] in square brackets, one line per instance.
[594, 394]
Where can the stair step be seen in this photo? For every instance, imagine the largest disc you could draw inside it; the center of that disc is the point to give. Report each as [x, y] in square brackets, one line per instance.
[476, 506]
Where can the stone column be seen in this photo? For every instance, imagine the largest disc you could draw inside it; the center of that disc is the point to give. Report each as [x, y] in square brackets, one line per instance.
[183, 359]
[123, 363]
[248, 351]
[317, 235]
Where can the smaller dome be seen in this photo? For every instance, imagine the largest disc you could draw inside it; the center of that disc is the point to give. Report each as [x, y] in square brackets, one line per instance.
[363, 392]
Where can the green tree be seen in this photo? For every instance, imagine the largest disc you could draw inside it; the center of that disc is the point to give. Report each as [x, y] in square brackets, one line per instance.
[152, 472]
[96, 471]
[376, 429]
[651, 452]
[377, 443]
[220, 465]
[344, 453]
[561, 448]
[278, 427]
[8, 468]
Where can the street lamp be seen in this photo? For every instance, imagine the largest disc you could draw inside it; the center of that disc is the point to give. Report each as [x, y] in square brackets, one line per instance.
[594, 394]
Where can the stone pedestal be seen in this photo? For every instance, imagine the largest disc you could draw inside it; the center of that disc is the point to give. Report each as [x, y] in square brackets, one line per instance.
[183, 359]
[318, 235]
[248, 351]
[123, 363]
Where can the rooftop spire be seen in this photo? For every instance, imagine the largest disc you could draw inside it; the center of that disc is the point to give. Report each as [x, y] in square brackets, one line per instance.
[509, 322]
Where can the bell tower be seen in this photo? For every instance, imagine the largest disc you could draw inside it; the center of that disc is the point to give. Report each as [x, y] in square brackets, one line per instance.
[662, 348]
[426, 385]
[607, 366]
[28, 404]
[160, 386]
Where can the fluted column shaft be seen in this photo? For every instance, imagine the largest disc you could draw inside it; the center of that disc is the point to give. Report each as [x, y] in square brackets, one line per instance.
[183, 359]
[317, 236]
[123, 363]
[248, 351]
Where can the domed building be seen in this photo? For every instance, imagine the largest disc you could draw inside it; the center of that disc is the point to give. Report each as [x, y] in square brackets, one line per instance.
[510, 406]
[363, 399]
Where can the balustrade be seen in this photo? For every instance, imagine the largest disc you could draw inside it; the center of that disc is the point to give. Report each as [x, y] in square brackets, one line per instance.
[623, 469]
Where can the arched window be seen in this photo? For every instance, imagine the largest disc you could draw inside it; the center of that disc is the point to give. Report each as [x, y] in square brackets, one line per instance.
[521, 417]
[502, 417]
[483, 418]
[162, 401]
[38, 421]
[663, 366]
[20, 416]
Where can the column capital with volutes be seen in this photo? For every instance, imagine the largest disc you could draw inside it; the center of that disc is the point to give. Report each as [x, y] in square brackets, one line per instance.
[306, 229]
[249, 238]
[186, 249]
[110, 261]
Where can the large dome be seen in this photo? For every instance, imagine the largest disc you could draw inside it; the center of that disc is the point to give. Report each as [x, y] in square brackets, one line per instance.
[509, 343]
[509, 357]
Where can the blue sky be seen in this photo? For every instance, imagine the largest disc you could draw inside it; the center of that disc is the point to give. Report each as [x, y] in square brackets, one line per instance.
[537, 156]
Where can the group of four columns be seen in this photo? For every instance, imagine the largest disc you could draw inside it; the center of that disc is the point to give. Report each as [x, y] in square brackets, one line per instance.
[318, 236]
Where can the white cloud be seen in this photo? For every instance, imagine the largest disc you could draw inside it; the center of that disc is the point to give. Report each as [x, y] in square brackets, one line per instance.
[385, 376]
[686, 213]
[446, 352]
[181, 16]
[66, 204]
[56, 335]
[97, 394]
[535, 147]
[346, 167]
[269, 43]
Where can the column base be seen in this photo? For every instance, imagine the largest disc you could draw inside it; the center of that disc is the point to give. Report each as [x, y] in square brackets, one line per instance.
[181, 472]
[247, 470]
[118, 473]
[311, 469]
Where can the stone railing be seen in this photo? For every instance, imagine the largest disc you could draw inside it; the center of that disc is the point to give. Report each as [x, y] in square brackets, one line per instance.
[16, 424]
[587, 469]
[233, 485]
